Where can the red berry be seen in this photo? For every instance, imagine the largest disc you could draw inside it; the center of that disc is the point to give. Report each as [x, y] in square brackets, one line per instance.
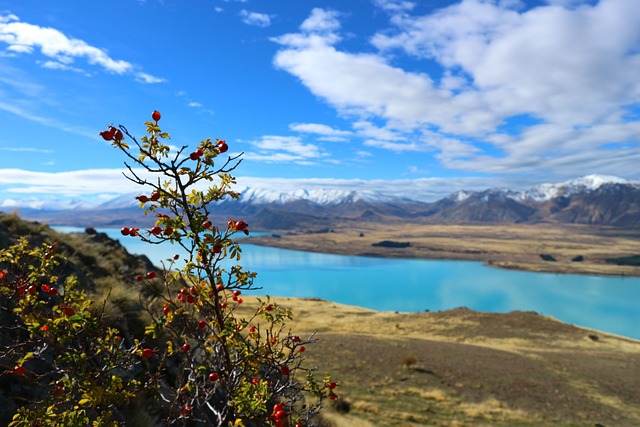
[186, 347]
[216, 249]
[236, 293]
[202, 324]
[155, 196]
[185, 411]
[125, 231]
[255, 381]
[207, 224]
[32, 289]
[147, 353]
[295, 338]
[222, 146]
[194, 155]
[118, 136]
[156, 115]
[133, 232]
[155, 230]
[68, 311]
[213, 377]
[190, 299]
[44, 328]
[108, 134]
[223, 305]
[168, 231]
[139, 277]
[252, 329]
[269, 307]
[152, 275]
[285, 370]
[19, 370]
[301, 349]
[142, 198]
[241, 225]
[332, 385]
[53, 291]
[166, 311]
[280, 415]
[45, 288]
[278, 407]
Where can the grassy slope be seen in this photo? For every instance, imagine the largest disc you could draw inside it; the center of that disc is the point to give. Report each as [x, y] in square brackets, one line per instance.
[470, 368]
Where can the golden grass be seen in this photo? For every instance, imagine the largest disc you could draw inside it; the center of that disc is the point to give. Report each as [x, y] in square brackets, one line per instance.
[389, 394]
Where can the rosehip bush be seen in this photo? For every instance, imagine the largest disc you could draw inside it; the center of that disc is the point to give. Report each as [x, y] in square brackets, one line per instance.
[56, 349]
[206, 358]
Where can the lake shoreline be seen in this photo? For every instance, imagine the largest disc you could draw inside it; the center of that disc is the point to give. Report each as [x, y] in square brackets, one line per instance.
[537, 249]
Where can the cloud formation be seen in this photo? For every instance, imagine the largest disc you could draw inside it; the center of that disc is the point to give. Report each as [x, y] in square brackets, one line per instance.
[254, 18]
[38, 189]
[24, 38]
[502, 88]
[277, 149]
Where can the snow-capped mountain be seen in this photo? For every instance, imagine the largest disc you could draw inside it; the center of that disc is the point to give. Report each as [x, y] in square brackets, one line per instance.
[544, 192]
[592, 199]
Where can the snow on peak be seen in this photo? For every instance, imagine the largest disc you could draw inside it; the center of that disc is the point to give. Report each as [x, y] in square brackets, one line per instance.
[460, 195]
[592, 182]
[321, 196]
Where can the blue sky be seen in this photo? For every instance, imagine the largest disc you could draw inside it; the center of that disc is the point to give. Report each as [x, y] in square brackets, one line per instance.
[422, 97]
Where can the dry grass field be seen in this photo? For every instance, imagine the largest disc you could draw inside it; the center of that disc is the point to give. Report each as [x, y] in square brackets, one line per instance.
[464, 368]
[505, 246]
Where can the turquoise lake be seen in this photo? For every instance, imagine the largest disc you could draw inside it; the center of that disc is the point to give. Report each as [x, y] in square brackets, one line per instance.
[610, 304]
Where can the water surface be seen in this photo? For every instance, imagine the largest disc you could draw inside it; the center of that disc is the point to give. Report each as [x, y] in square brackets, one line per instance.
[610, 304]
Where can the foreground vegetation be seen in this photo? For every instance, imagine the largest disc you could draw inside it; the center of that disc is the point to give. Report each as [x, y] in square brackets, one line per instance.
[77, 351]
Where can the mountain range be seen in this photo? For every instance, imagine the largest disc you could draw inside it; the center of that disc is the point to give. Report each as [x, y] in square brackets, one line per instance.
[592, 199]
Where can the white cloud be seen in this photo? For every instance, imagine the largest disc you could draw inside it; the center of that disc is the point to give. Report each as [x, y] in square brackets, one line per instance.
[24, 38]
[26, 150]
[277, 149]
[327, 133]
[54, 65]
[572, 70]
[148, 78]
[321, 21]
[71, 184]
[254, 18]
[395, 6]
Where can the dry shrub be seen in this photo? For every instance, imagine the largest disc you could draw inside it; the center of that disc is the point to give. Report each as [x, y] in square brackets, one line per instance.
[409, 360]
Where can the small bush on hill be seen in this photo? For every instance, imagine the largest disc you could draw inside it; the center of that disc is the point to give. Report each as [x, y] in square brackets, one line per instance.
[71, 363]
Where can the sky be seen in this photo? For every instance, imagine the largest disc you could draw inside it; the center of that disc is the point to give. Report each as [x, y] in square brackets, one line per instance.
[418, 98]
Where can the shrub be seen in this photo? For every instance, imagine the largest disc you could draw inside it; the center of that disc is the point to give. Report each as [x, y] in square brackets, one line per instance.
[199, 358]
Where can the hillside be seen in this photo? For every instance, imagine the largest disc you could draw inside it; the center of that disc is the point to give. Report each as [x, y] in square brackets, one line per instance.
[455, 367]
[464, 368]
